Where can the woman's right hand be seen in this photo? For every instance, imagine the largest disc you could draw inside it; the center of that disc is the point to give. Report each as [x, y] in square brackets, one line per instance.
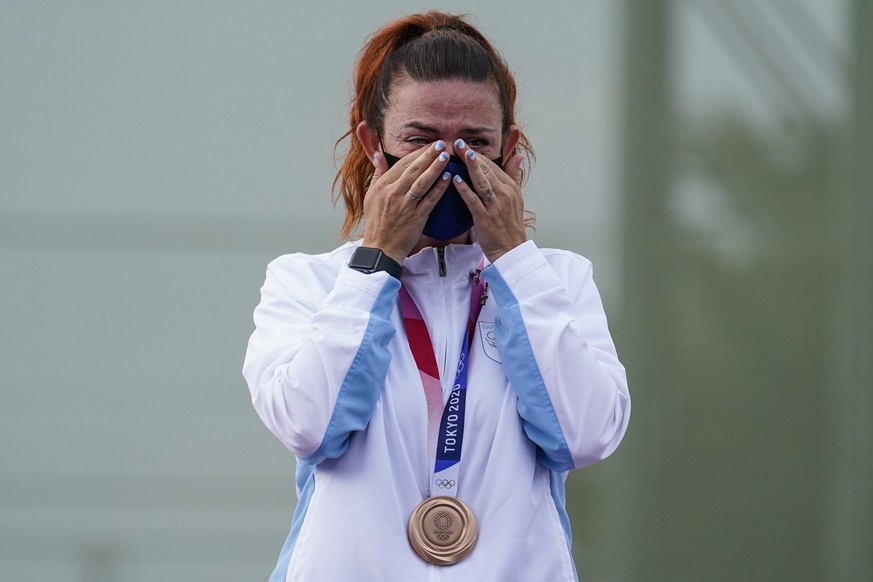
[399, 199]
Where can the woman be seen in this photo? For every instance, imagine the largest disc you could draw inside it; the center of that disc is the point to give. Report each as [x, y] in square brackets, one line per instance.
[362, 357]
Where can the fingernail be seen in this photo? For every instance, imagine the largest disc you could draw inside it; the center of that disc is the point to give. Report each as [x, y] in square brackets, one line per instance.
[471, 154]
[440, 145]
[444, 157]
[460, 144]
[446, 175]
[376, 158]
[457, 179]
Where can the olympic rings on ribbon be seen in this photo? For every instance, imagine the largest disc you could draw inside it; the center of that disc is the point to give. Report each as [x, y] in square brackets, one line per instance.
[444, 483]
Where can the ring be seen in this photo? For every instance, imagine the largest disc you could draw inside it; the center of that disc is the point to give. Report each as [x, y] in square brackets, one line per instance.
[416, 197]
[486, 196]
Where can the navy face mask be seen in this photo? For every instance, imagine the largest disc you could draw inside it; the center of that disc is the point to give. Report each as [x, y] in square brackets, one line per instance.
[450, 217]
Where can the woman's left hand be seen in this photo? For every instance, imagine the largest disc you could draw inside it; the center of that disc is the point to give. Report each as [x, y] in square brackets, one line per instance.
[495, 201]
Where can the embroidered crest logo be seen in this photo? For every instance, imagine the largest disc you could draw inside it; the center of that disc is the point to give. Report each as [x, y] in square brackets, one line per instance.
[489, 340]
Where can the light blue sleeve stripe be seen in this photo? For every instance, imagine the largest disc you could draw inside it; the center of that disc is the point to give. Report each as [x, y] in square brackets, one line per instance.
[539, 418]
[305, 479]
[363, 383]
[357, 396]
[556, 484]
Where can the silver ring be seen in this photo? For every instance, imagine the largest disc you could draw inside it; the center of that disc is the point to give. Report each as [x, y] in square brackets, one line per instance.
[416, 197]
[486, 196]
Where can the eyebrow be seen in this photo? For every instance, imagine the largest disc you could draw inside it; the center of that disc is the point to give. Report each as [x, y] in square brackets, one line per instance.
[467, 130]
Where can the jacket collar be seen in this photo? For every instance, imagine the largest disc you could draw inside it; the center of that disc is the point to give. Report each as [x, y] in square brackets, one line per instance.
[460, 261]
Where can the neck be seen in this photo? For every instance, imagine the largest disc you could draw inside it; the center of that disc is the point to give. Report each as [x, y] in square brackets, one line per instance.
[426, 241]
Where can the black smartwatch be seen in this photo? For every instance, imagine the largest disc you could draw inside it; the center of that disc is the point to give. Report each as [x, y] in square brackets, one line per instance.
[370, 260]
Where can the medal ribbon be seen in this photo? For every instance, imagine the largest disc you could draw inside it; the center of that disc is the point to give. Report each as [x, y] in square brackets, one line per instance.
[445, 422]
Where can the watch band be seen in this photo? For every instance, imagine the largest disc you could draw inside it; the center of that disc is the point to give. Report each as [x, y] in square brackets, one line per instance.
[369, 260]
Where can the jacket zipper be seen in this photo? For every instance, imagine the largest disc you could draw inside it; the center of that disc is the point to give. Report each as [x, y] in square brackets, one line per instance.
[447, 305]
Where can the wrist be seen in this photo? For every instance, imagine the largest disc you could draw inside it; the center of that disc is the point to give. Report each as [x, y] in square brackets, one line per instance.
[494, 254]
[397, 255]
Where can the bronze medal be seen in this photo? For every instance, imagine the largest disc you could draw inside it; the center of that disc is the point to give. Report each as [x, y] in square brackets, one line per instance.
[442, 530]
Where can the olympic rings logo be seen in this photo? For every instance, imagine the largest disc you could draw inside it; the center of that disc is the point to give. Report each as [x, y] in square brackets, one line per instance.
[444, 483]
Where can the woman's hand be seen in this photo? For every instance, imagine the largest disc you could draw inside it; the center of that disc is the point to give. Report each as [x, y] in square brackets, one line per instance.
[495, 201]
[400, 199]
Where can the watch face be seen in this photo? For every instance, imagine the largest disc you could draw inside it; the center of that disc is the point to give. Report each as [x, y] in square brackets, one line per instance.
[365, 258]
[369, 260]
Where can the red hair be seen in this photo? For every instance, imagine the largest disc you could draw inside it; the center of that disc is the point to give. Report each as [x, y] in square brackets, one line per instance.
[432, 46]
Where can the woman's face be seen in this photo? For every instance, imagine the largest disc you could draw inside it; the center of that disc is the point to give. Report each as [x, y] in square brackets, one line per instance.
[420, 113]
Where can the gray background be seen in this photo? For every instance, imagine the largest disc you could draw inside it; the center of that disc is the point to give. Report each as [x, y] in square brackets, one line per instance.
[707, 156]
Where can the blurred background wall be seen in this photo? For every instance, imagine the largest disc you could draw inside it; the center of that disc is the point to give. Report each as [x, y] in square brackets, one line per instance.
[713, 158]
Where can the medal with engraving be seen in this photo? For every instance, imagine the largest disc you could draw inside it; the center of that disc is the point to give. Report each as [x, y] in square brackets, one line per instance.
[442, 529]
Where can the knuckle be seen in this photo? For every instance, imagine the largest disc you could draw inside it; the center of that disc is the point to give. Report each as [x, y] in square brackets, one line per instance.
[416, 166]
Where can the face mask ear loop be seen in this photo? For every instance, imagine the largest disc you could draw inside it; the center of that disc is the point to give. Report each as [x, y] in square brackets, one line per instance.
[381, 145]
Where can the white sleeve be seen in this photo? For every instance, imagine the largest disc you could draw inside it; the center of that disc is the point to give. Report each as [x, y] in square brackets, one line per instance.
[316, 363]
[559, 356]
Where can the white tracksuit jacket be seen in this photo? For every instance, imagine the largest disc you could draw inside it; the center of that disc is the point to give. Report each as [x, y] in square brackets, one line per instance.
[332, 376]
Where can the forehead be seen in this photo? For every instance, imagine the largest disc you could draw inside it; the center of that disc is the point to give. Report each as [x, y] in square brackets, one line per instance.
[444, 103]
